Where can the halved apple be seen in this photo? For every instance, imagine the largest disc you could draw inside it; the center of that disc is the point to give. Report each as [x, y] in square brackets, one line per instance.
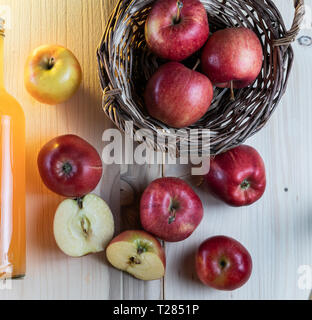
[139, 254]
[83, 226]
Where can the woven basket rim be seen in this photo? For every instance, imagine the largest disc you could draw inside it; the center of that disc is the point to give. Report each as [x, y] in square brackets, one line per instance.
[122, 104]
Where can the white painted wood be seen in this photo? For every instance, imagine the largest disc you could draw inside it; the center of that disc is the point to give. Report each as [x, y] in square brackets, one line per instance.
[138, 178]
[278, 229]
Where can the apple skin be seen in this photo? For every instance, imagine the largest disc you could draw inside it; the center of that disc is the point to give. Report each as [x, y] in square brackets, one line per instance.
[233, 54]
[52, 74]
[141, 247]
[223, 263]
[70, 166]
[178, 96]
[176, 41]
[170, 209]
[237, 177]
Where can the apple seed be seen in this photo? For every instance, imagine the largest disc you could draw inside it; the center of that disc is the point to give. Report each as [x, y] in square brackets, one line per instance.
[85, 225]
[134, 260]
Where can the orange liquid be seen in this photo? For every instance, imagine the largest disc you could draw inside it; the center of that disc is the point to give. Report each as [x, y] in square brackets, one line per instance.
[12, 184]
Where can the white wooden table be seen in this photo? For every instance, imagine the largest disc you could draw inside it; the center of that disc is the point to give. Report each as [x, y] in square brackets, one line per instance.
[277, 230]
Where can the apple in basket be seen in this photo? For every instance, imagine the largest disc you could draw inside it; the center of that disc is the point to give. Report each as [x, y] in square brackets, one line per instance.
[175, 30]
[232, 57]
[237, 177]
[178, 96]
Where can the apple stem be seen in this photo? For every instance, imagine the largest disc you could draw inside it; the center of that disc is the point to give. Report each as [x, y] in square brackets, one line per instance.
[196, 65]
[51, 63]
[180, 7]
[172, 216]
[200, 182]
[232, 91]
[174, 206]
[80, 203]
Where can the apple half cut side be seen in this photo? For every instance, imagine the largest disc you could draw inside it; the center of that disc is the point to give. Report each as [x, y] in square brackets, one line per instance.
[139, 254]
[83, 226]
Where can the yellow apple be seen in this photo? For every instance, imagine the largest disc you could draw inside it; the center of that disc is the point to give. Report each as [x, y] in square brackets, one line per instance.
[52, 74]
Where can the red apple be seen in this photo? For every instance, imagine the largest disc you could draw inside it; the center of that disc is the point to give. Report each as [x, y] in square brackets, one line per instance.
[178, 96]
[175, 30]
[232, 55]
[70, 166]
[223, 263]
[139, 254]
[170, 209]
[237, 177]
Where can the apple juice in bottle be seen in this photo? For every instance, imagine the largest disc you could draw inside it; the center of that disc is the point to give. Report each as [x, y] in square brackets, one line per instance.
[12, 181]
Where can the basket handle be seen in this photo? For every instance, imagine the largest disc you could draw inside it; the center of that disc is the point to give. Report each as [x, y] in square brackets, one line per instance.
[291, 35]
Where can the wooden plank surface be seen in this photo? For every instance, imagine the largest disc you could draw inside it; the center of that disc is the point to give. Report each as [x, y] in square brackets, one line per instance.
[277, 230]
[134, 180]
[78, 25]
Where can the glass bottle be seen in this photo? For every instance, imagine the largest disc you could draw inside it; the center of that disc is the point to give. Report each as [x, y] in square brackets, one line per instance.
[12, 181]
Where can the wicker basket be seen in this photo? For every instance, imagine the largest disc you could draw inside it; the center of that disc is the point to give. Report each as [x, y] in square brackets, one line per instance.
[126, 64]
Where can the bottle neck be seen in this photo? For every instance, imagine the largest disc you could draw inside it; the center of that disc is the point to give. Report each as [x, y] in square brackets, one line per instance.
[1, 61]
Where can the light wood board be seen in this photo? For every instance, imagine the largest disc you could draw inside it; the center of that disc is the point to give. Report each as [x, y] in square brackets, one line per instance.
[78, 25]
[277, 230]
